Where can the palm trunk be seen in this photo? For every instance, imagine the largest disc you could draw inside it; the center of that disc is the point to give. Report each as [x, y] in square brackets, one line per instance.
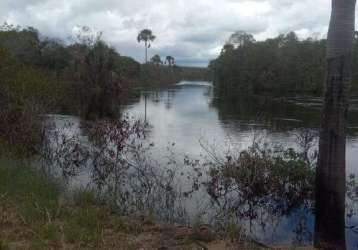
[331, 174]
[146, 52]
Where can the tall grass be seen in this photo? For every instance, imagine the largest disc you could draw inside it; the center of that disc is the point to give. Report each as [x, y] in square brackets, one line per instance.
[19, 179]
[36, 195]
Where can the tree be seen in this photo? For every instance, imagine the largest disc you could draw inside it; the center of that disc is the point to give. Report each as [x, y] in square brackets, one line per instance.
[101, 86]
[228, 48]
[156, 60]
[331, 174]
[87, 36]
[241, 38]
[22, 43]
[170, 60]
[147, 37]
[54, 55]
[280, 66]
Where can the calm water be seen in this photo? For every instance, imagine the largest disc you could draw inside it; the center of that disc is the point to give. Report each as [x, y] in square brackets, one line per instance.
[189, 115]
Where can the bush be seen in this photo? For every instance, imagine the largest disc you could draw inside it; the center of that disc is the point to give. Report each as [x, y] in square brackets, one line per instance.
[26, 94]
[261, 180]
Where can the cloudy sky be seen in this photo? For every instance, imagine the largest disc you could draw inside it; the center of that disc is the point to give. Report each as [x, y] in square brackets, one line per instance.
[193, 31]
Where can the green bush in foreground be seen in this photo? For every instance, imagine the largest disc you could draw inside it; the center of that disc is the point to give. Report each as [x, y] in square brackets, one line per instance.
[37, 198]
[37, 194]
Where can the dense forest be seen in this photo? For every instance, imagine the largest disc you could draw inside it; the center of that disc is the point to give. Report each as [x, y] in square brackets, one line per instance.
[284, 65]
[76, 71]
[84, 77]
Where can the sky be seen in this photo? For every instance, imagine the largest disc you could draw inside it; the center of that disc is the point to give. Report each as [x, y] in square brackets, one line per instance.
[192, 31]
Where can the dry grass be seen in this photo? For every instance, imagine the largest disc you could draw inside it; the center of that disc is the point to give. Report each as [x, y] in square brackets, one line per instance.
[96, 227]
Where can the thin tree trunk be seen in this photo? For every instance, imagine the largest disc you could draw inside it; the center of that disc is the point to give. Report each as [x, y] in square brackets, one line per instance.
[331, 174]
[146, 52]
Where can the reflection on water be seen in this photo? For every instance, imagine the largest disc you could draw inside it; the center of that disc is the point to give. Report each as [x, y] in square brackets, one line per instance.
[189, 114]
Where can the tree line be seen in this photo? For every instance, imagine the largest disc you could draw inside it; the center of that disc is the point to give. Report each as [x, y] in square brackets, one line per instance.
[284, 65]
[84, 77]
[88, 75]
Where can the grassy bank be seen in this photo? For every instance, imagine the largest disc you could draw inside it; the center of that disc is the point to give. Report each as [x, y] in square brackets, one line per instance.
[35, 215]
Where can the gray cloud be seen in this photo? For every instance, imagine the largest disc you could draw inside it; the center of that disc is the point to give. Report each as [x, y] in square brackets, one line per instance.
[191, 31]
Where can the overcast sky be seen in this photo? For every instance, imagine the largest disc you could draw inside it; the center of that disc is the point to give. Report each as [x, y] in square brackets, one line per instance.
[193, 31]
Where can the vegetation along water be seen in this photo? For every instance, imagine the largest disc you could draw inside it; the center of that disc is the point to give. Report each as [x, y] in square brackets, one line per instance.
[256, 148]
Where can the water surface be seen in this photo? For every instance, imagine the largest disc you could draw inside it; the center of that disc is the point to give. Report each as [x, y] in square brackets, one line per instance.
[190, 116]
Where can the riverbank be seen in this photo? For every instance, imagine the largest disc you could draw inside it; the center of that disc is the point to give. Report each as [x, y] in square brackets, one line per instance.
[36, 215]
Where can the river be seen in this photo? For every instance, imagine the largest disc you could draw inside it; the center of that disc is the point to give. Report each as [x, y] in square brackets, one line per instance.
[189, 117]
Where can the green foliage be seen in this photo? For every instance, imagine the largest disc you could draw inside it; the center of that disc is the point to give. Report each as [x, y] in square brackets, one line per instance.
[127, 68]
[241, 38]
[23, 43]
[282, 65]
[37, 199]
[170, 60]
[100, 85]
[85, 225]
[48, 232]
[262, 178]
[156, 60]
[146, 35]
[86, 78]
[85, 197]
[159, 75]
[54, 56]
[37, 195]
[26, 92]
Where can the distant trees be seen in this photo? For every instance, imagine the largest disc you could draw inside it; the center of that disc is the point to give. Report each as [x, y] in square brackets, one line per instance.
[23, 43]
[281, 65]
[86, 77]
[241, 38]
[284, 65]
[156, 60]
[147, 37]
[127, 68]
[170, 60]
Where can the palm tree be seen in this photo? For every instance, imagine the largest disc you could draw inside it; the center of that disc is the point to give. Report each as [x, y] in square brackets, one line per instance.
[331, 174]
[170, 60]
[147, 36]
[156, 60]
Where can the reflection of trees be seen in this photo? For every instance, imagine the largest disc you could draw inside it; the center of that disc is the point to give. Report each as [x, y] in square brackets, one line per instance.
[261, 186]
[170, 94]
[278, 115]
[303, 232]
[158, 96]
